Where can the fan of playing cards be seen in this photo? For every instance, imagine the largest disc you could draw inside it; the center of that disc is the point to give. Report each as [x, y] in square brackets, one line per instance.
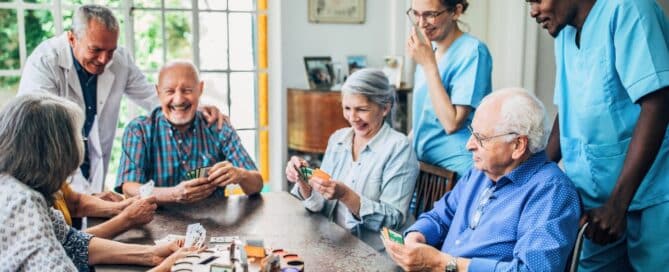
[195, 235]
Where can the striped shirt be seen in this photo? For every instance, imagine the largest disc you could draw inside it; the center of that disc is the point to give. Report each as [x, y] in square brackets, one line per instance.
[155, 150]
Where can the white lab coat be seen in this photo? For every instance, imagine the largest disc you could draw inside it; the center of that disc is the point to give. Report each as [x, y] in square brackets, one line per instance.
[50, 69]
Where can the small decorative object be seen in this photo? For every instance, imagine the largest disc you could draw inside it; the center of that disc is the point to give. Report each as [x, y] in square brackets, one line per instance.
[337, 11]
[393, 69]
[320, 73]
[356, 63]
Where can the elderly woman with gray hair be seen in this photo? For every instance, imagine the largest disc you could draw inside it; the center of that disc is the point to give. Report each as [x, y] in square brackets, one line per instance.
[372, 167]
[40, 146]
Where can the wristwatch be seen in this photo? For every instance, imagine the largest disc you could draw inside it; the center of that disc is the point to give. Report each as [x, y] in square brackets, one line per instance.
[452, 265]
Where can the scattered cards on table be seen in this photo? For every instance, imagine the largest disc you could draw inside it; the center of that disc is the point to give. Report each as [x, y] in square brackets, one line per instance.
[146, 189]
[201, 172]
[195, 235]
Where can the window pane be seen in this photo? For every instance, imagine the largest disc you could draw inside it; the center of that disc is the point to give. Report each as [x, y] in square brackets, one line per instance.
[148, 39]
[179, 35]
[213, 4]
[39, 27]
[67, 19]
[248, 138]
[241, 44]
[216, 91]
[8, 87]
[178, 4]
[243, 109]
[146, 3]
[213, 41]
[242, 5]
[9, 35]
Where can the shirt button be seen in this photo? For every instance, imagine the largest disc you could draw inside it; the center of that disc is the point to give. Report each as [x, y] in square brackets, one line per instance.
[457, 242]
[183, 162]
[180, 141]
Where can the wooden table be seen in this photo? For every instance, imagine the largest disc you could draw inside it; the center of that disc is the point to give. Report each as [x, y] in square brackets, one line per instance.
[277, 218]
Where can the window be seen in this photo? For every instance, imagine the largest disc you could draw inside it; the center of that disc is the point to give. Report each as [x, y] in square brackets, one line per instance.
[220, 36]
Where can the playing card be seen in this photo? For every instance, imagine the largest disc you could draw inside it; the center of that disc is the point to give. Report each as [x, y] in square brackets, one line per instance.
[195, 235]
[147, 189]
[204, 172]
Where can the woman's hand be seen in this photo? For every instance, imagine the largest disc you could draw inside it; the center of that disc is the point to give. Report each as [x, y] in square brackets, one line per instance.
[329, 189]
[420, 51]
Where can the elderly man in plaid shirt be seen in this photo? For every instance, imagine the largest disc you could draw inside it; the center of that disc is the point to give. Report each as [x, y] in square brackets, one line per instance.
[175, 139]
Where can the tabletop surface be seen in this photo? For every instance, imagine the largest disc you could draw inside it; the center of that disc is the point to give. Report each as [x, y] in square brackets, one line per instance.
[277, 218]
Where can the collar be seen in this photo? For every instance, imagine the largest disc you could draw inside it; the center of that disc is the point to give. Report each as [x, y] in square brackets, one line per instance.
[80, 69]
[526, 169]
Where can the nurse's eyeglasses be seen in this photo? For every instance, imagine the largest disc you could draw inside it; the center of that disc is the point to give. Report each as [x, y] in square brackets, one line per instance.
[482, 139]
[429, 16]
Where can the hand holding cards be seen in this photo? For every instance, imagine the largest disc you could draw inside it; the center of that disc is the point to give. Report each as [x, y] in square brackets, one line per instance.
[146, 189]
[391, 235]
[196, 235]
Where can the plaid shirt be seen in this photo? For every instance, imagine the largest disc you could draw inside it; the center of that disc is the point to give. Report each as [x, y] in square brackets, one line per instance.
[154, 149]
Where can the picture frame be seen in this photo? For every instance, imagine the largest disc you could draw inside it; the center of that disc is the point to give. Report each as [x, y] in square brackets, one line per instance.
[355, 63]
[320, 72]
[336, 11]
[392, 68]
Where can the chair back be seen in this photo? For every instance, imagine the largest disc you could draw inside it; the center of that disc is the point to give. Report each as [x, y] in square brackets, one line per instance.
[576, 253]
[433, 182]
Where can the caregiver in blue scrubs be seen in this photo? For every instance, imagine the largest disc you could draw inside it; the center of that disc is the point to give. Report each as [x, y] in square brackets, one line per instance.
[612, 93]
[449, 83]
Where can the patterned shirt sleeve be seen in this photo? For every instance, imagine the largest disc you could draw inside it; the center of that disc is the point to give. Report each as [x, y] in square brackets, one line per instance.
[233, 149]
[131, 166]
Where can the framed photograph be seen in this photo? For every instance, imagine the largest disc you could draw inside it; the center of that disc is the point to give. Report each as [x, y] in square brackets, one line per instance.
[320, 73]
[392, 67]
[337, 11]
[356, 63]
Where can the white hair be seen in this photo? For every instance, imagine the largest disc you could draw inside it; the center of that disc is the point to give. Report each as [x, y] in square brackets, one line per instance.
[99, 13]
[523, 113]
[374, 85]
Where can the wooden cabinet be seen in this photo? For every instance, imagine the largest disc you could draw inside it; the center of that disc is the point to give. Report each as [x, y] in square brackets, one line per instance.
[313, 115]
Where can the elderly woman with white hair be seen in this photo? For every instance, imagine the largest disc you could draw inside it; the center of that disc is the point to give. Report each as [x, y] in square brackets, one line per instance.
[40, 146]
[372, 167]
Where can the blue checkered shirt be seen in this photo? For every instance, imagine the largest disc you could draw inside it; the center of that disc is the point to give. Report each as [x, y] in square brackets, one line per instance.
[154, 149]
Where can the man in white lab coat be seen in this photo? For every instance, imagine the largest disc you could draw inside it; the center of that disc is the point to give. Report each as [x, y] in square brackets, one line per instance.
[86, 66]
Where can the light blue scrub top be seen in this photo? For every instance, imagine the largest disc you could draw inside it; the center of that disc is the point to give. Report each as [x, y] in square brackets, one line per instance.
[624, 55]
[465, 70]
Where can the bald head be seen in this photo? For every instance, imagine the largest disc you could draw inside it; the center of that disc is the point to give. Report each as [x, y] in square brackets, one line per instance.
[182, 68]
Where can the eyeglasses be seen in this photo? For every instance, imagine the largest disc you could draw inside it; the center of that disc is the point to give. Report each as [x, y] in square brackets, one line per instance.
[481, 139]
[429, 16]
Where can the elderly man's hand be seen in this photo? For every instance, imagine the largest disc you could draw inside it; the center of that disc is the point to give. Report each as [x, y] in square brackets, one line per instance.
[213, 115]
[140, 211]
[329, 189]
[224, 173]
[415, 256]
[193, 190]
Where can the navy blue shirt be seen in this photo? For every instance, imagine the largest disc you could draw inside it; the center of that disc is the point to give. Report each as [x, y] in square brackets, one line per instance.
[528, 222]
[89, 87]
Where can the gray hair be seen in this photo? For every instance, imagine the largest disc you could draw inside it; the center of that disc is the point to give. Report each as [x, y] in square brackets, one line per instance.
[85, 13]
[373, 84]
[523, 113]
[40, 141]
[179, 62]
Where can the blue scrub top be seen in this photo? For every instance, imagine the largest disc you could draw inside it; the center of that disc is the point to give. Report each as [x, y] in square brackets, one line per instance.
[465, 70]
[624, 55]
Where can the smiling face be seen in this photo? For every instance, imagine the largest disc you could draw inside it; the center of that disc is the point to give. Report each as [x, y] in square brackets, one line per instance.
[179, 90]
[441, 26]
[553, 15]
[95, 48]
[364, 116]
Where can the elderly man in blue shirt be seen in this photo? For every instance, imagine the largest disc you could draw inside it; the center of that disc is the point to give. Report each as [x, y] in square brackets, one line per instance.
[516, 210]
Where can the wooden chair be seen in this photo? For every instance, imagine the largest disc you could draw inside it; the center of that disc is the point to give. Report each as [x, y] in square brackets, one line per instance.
[433, 182]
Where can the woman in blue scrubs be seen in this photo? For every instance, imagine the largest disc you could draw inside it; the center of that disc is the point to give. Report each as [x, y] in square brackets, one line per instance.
[612, 94]
[449, 83]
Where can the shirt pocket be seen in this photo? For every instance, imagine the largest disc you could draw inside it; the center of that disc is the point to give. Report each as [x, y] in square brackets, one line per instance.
[606, 162]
